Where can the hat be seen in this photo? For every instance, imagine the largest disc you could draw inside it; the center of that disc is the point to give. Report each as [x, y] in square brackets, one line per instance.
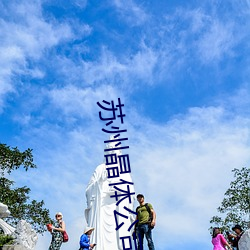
[59, 213]
[140, 195]
[237, 227]
[88, 229]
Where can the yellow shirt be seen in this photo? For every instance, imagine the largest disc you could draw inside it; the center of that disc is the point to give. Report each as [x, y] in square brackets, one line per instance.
[142, 213]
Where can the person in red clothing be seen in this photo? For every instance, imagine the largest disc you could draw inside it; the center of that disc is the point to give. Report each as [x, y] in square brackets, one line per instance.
[218, 240]
[56, 232]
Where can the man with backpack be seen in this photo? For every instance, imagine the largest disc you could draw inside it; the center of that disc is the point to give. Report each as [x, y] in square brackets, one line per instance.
[146, 217]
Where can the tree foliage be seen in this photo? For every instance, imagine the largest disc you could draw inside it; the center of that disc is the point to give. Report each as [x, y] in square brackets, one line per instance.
[17, 199]
[11, 159]
[235, 207]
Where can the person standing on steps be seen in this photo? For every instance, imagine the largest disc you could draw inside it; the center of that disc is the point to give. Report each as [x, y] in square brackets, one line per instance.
[85, 239]
[146, 217]
[56, 231]
[239, 232]
[218, 240]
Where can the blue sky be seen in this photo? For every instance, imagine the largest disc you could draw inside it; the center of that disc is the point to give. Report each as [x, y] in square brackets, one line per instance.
[180, 67]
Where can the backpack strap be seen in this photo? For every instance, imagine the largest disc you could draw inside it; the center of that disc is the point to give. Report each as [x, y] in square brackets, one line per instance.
[137, 209]
[148, 208]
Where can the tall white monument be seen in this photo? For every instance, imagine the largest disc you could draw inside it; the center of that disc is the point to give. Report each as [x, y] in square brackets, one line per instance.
[100, 207]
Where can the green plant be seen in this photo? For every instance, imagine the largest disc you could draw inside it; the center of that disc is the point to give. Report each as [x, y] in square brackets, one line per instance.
[6, 240]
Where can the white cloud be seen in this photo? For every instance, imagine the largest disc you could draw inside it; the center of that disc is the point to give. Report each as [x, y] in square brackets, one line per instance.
[143, 63]
[105, 69]
[198, 19]
[25, 35]
[80, 102]
[217, 42]
[123, 70]
[240, 101]
[198, 33]
[80, 3]
[184, 168]
[31, 33]
[131, 12]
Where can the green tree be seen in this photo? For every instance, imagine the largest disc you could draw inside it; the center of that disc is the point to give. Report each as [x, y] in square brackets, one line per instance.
[17, 199]
[235, 207]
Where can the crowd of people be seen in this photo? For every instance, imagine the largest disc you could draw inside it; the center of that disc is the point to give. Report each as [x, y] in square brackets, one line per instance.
[219, 241]
[146, 219]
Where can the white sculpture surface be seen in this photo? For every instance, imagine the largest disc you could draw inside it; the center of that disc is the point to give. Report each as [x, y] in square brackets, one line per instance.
[4, 212]
[244, 242]
[100, 207]
[23, 234]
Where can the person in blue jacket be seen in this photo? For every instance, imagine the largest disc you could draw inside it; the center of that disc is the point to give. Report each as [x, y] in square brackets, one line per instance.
[84, 240]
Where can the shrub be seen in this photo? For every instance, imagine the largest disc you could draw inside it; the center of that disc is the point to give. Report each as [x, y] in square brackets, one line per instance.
[6, 240]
